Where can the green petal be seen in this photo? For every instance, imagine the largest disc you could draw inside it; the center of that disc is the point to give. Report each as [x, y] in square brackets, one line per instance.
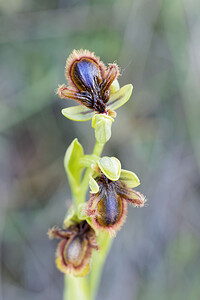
[120, 97]
[93, 185]
[114, 86]
[102, 125]
[111, 167]
[78, 113]
[129, 178]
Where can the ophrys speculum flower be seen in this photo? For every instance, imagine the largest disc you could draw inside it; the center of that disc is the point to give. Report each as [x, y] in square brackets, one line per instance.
[75, 249]
[111, 191]
[93, 86]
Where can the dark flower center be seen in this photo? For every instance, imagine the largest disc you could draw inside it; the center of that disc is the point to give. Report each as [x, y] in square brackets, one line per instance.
[109, 209]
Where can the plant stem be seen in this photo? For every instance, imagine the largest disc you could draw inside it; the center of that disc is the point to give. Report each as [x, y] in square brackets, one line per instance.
[85, 288]
[98, 259]
[98, 148]
[77, 288]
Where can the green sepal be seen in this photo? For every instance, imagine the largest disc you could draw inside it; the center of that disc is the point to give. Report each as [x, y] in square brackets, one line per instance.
[72, 162]
[129, 178]
[82, 211]
[71, 217]
[111, 167]
[78, 113]
[114, 86]
[83, 216]
[120, 97]
[93, 185]
[102, 125]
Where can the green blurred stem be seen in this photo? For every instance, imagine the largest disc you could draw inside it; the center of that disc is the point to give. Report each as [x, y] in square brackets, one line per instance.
[98, 261]
[76, 288]
[85, 288]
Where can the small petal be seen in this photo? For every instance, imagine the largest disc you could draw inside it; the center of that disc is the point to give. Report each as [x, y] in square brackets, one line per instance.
[93, 185]
[78, 113]
[111, 167]
[133, 197]
[129, 178]
[111, 75]
[136, 199]
[120, 97]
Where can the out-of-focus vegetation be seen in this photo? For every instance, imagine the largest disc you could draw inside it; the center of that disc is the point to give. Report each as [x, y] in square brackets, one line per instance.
[156, 43]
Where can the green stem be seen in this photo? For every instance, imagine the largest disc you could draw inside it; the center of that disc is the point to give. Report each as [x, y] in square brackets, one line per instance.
[85, 288]
[98, 259]
[98, 148]
[77, 288]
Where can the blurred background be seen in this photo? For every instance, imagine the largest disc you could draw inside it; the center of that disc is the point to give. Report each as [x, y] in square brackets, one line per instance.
[156, 43]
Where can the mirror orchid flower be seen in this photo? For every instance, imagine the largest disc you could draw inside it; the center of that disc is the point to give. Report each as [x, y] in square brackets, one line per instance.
[93, 86]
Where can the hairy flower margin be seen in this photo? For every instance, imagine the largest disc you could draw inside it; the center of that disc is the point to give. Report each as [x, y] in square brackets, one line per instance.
[93, 86]
[111, 190]
[74, 252]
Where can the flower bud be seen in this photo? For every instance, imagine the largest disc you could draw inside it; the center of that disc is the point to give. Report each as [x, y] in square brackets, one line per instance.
[102, 124]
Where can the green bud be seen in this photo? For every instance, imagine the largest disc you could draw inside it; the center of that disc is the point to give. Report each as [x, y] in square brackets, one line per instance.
[102, 125]
[111, 167]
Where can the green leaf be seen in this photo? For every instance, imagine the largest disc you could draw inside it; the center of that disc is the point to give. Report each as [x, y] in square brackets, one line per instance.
[72, 161]
[102, 125]
[93, 185]
[111, 167]
[120, 97]
[129, 178]
[78, 113]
